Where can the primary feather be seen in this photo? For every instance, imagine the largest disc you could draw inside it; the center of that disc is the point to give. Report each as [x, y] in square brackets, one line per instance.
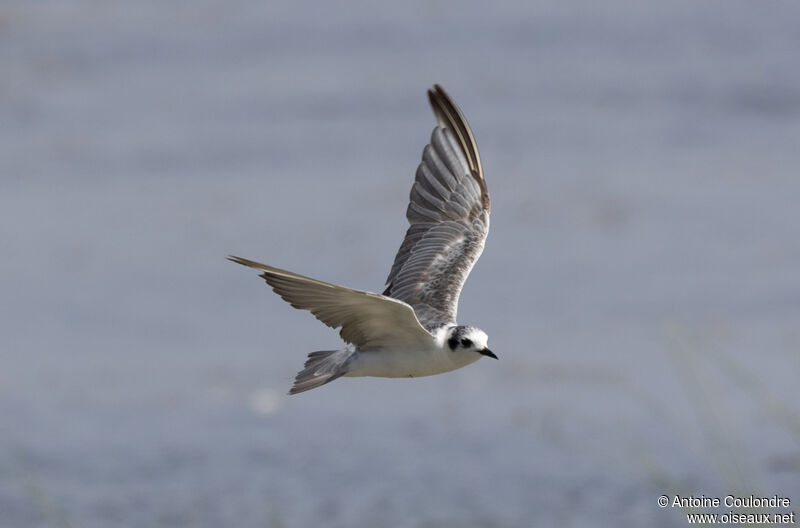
[449, 215]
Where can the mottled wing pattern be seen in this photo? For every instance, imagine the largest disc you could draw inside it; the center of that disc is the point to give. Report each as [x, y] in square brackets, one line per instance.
[367, 320]
[449, 216]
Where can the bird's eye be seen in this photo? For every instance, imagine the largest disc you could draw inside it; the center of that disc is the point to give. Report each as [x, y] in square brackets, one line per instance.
[466, 343]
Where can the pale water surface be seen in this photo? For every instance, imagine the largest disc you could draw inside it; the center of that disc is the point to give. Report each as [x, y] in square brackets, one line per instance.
[641, 283]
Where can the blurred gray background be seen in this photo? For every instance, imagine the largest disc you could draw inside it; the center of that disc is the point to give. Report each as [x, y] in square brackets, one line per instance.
[641, 283]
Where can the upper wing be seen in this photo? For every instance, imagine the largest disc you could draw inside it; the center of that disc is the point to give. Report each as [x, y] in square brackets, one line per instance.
[449, 216]
[367, 319]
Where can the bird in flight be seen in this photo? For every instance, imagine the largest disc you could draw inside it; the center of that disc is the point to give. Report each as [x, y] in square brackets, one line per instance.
[410, 329]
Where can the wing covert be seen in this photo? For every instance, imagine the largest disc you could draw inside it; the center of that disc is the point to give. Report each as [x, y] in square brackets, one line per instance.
[367, 320]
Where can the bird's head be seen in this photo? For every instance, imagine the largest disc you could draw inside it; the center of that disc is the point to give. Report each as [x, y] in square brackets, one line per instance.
[469, 339]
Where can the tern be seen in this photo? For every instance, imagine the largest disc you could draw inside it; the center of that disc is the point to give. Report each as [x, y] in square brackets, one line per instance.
[410, 329]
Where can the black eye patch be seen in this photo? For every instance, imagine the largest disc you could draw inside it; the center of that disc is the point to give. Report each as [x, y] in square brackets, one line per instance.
[466, 343]
[453, 343]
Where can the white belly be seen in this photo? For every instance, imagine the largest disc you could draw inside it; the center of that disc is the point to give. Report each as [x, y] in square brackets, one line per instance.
[409, 363]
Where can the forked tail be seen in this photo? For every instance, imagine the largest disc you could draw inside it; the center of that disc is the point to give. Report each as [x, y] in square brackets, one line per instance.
[321, 367]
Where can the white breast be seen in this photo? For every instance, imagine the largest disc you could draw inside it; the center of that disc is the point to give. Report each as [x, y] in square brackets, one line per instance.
[400, 363]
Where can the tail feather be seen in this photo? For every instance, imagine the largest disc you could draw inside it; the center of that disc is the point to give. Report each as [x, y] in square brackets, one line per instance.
[320, 368]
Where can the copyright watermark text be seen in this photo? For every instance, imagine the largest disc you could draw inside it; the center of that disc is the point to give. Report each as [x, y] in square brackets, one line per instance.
[748, 509]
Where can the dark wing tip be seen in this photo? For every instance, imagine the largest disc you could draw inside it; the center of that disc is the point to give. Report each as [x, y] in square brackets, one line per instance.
[238, 260]
[449, 115]
[249, 263]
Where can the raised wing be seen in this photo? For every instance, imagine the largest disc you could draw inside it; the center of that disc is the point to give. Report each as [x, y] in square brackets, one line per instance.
[367, 320]
[449, 216]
